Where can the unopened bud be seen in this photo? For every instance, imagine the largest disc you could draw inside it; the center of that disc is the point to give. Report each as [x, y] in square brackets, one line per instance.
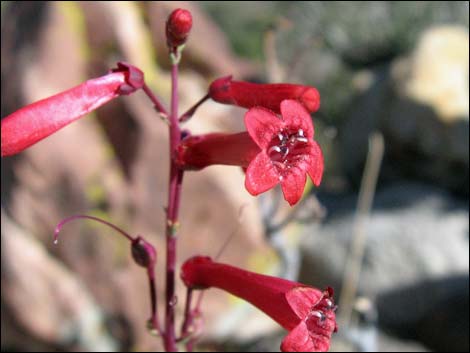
[143, 253]
[178, 27]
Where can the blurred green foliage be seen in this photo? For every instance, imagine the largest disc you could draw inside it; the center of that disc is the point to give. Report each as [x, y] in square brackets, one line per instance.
[246, 22]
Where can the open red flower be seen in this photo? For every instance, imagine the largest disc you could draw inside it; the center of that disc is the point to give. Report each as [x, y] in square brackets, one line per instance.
[248, 95]
[275, 150]
[38, 120]
[308, 313]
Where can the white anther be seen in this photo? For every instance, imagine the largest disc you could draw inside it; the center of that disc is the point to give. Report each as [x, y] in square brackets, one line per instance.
[302, 139]
[318, 314]
[275, 148]
[280, 136]
[301, 132]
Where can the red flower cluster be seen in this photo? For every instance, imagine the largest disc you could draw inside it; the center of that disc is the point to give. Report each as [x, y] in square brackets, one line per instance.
[278, 147]
[308, 313]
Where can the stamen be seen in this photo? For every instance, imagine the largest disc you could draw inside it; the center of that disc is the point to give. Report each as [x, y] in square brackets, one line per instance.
[301, 132]
[284, 150]
[274, 148]
[319, 314]
[280, 136]
[329, 303]
[302, 139]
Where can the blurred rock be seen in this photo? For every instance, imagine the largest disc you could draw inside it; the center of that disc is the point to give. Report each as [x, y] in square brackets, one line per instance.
[434, 312]
[421, 105]
[415, 232]
[45, 299]
[355, 36]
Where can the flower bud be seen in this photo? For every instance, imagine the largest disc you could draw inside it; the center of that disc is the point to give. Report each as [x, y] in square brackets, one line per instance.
[143, 253]
[248, 95]
[178, 27]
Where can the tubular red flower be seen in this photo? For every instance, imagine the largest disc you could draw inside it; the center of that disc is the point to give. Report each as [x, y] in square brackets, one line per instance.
[38, 120]
[199, 151]
[270, 96]
[178, 26]
[274, 150]
[308, 313]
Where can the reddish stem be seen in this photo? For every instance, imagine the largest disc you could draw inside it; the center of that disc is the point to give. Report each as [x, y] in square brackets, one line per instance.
[187, 313]
[156, 102]
[189, 113]
[174, 192]
[59, 227]
[154, 321]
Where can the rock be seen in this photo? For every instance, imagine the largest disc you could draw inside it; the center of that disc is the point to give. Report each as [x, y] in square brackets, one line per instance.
[429, 311]
[436, 73]
[421, 105]
[416, 260]
[406, 231]
[45, 299]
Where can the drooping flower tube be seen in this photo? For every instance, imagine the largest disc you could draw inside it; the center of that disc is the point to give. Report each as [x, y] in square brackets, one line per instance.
[307, 313]
[248, 95]
[38, 120]
[274, 150]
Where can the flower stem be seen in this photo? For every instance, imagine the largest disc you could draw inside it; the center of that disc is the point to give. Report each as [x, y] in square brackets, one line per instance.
[96, 219]
[187, 313]
[154, 322]
[174, 192]
[156, 102]
[189, 113]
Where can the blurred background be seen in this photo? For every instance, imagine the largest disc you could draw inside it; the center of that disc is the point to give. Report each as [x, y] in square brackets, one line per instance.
[387, 229]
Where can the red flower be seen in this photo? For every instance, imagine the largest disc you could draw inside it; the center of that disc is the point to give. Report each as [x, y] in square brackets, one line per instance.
[275, 150]
[270, 96]
[308, 313]
[38, 120]
[178, 27]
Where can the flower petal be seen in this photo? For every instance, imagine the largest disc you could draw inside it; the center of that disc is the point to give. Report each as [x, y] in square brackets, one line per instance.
[300, 339]
[310, 99]
[262, 125]
[293, 184]
[296, 117]
[315, 170]
[261, 175]
[303, 299]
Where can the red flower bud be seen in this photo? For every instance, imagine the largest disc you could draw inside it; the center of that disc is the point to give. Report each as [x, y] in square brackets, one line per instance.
[143, 253]
[178, 26]
[270, 96]
[308, 313]
[38, 120]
